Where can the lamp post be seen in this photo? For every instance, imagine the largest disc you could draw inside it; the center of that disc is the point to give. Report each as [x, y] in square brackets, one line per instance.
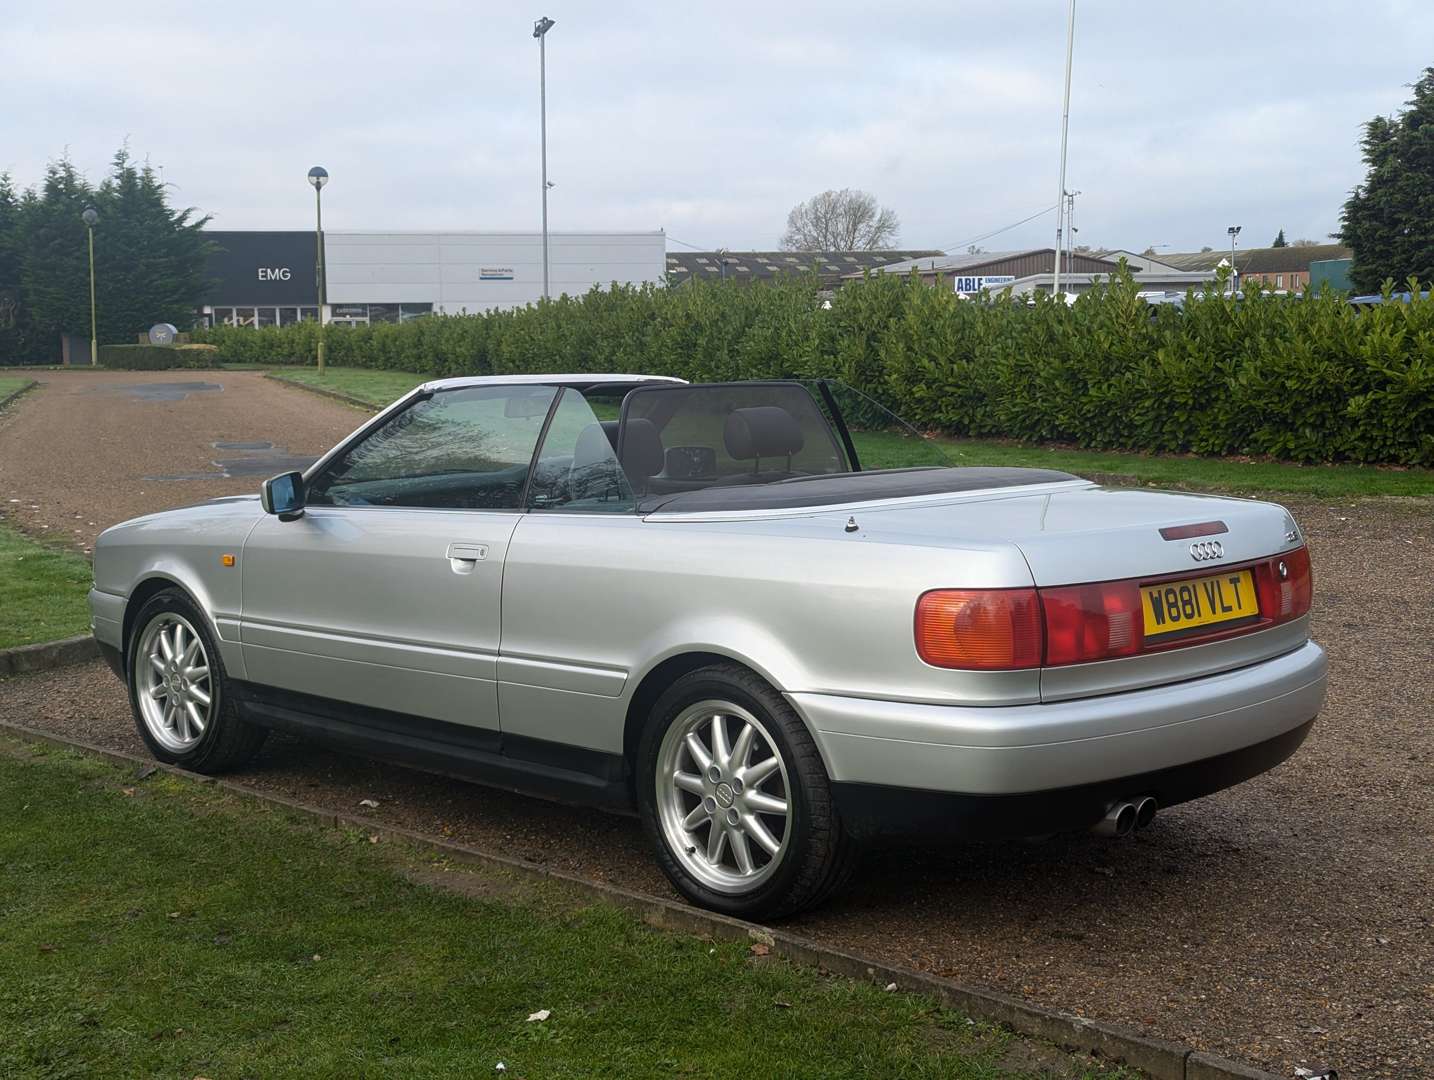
[319, 176]
[1233, 231]
[90, 217]
[540, 31]
[1065, 126]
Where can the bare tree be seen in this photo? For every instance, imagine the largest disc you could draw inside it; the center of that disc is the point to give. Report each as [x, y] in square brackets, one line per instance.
[845, 220]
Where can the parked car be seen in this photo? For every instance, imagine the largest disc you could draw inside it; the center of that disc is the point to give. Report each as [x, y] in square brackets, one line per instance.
[692, 602]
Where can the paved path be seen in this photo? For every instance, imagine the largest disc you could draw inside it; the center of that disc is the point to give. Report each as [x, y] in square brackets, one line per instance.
[86, 449]
[1286, 922]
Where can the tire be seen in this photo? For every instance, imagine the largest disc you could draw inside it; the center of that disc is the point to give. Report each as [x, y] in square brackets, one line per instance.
[167, 692]
[688, 796]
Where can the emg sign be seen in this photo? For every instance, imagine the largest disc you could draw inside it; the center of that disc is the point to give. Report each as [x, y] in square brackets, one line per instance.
[269, 268]
[973, 285]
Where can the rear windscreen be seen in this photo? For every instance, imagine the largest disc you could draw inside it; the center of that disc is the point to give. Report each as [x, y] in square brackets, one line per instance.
[750, 433]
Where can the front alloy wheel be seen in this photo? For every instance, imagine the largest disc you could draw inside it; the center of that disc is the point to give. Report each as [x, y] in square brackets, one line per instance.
[175, 690]
[183, 702]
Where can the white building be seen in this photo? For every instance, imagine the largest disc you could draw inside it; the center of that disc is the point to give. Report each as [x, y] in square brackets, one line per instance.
[269, 278]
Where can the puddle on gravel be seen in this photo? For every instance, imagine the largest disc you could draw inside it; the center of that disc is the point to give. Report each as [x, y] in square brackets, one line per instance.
[157, 391]
[257, 458]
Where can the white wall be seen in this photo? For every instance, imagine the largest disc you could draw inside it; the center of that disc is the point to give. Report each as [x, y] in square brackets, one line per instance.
[448, 269]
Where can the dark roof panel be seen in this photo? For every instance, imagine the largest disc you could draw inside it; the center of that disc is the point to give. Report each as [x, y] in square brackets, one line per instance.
[1259, 260]
[765, 265]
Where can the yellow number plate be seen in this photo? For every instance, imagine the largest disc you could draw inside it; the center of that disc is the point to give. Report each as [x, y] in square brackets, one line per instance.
[1206, 601]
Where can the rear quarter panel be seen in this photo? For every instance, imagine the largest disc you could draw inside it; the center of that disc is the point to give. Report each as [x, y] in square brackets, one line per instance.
[802, 601]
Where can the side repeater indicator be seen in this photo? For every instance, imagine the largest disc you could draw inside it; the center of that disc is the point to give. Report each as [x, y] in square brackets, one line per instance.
[226, 560]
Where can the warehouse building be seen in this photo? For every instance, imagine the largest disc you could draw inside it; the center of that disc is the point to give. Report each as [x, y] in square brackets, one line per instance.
[1283, 269]
[1033, 270]
[749, 266]
[269, 279]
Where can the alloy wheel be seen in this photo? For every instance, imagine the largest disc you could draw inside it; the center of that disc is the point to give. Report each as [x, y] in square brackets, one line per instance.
[723, 796]
[173, 685]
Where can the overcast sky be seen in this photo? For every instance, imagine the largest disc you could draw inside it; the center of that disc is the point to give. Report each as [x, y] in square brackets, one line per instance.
[712, 120]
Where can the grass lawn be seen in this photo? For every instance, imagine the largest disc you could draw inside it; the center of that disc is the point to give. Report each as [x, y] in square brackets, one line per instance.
[377, 388]
[10, 384]
[43, 591]
[1164, 470]
[881, 450]
[159, 927]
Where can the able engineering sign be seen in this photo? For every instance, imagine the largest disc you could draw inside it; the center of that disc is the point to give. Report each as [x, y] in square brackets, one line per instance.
[973, 285]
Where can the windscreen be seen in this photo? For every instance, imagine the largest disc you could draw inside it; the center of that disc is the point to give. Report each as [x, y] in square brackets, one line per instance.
[683, 438]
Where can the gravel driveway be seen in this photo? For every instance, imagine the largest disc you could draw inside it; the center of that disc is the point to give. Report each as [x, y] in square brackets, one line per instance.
[1287, 922]
[86, 449]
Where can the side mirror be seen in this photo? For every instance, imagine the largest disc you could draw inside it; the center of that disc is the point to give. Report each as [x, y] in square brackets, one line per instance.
[284, 495]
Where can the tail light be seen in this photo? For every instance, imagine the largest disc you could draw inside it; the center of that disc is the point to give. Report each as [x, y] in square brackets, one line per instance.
[1285, 586]
[979, 629]
[1092, 622]
[1009, 629]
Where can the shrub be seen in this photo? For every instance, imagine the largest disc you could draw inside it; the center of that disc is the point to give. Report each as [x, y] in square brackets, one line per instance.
[158, 357]
[1307, 378]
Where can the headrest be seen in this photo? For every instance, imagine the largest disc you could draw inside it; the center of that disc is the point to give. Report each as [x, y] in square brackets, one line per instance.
[761, 431]
[641, 449]
[609, 428]
[592, 447]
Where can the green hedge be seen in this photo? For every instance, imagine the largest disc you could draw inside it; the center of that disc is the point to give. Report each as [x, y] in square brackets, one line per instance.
[1308, 379]
[158, 357]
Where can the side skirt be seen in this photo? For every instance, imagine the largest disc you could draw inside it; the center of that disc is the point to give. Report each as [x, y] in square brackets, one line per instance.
[547, 770]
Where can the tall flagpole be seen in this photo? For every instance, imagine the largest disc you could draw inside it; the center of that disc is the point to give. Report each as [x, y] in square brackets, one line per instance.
[1065, 126]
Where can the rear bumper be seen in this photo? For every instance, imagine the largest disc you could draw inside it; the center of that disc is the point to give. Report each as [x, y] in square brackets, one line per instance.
[1026, 749]
[873, 810]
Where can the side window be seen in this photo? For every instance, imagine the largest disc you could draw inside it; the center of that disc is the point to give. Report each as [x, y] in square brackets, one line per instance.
[577, 468]
[466, 449]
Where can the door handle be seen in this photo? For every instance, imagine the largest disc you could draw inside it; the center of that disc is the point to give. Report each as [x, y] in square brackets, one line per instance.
[462, 558]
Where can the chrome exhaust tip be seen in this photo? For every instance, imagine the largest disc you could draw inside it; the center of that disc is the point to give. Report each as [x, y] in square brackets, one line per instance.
[1119, 820]
[1145, 812]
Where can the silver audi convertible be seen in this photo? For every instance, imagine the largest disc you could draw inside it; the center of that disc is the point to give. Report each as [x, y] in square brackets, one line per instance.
[702, 603]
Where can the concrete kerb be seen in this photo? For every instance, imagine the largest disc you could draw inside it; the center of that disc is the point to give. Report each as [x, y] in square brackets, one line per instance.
[25, 659]
[347, 399]
[1159, 1058]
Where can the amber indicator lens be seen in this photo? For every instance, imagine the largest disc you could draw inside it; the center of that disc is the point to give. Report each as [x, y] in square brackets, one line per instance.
[979, 629]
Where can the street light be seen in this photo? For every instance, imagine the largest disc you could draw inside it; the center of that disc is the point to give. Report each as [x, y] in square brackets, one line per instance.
[90, 218]
[540, 31]
[319, 176]
[1233, 231]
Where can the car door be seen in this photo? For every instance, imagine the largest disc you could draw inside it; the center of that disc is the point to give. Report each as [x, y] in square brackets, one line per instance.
[561, 673]
[387, 591]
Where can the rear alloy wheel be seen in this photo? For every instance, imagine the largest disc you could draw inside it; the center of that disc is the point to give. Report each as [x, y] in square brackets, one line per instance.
[723, 804]
[179, 692]
[734, 794]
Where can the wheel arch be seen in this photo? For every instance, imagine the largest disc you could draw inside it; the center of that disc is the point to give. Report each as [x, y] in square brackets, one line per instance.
[144, 591]
[667, 671]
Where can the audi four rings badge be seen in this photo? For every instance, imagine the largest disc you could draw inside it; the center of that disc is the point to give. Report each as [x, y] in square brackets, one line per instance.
[1206, 550]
